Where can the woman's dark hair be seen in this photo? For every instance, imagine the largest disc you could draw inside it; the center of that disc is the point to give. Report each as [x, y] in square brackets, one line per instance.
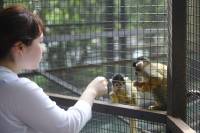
[18, 24]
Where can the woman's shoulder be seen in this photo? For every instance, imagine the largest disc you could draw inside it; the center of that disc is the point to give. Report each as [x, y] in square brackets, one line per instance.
[14, 83]
[24, 83]
[11, 79]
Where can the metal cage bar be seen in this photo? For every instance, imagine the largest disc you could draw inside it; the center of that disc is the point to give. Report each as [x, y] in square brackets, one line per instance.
[176, 60]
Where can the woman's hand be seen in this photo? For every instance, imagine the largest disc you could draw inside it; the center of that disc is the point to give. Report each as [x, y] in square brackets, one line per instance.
[95, 88]
[98, 86]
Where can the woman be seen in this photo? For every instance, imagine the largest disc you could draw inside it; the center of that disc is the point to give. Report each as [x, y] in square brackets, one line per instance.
[24, 107]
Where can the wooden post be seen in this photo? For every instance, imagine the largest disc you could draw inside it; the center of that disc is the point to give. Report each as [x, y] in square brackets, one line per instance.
[177, 59]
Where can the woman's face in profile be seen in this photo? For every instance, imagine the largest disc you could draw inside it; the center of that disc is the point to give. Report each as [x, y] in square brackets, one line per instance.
[32, 54]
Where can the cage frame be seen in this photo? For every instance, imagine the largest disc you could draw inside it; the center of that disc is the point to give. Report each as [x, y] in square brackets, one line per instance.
[175, 116]
[174, 125]
[176, 113]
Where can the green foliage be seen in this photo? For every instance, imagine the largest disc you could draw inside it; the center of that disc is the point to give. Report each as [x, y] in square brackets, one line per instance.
[40, 80]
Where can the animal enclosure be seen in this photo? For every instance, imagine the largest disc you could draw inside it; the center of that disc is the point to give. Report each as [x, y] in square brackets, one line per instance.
[87, 38]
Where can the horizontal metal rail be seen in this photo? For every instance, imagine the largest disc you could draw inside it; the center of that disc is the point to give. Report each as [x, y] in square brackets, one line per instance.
[61, 82]
[174, 125]
[114, 109]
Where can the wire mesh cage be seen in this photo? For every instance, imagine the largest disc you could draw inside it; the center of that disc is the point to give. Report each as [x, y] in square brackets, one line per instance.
[115, 124]
[193, 62]
[87, 38]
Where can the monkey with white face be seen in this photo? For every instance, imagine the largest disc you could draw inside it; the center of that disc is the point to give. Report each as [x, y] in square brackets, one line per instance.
[124, 92]
[153, 79]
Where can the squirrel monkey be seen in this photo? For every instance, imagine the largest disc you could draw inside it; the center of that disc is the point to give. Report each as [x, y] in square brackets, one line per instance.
[124, 92]
[154, 80]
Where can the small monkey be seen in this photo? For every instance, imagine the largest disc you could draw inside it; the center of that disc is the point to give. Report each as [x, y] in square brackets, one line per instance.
[154, 80]
[124, 92]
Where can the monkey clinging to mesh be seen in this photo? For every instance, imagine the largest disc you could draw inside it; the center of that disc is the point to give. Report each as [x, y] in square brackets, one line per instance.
[123, 91]
[153, 79]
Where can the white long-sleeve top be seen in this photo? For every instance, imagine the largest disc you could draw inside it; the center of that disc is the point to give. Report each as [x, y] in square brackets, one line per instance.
[25, 108]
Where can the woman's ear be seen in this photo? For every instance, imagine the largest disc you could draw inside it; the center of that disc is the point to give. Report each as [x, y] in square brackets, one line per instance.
[18, 48]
